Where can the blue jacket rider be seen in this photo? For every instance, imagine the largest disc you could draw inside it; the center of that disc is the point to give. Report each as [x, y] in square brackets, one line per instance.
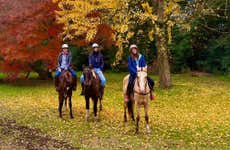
[136, 60]
[96, 61]
[64, 63]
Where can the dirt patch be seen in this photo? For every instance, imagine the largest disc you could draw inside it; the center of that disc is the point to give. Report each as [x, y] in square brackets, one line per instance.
[28, 138]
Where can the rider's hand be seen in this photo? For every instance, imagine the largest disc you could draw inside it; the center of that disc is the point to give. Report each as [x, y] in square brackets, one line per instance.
[66, 68]
[59, 69]
[138, 69]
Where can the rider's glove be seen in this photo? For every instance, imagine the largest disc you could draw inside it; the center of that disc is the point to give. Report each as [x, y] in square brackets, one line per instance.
[59, 69]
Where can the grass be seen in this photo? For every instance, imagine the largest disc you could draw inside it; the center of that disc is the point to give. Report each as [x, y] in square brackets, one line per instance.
[194, 114]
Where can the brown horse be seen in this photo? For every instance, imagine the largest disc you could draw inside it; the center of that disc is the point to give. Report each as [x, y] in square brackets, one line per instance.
[91, 87]
[140, 97]
[65, 91]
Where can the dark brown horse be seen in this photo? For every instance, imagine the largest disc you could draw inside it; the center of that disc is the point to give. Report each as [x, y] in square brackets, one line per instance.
[65, 91]
[91, 87]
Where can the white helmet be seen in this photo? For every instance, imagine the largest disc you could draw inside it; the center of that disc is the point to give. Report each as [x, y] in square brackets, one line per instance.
[64, 46]
[95, 45]
[133, 46]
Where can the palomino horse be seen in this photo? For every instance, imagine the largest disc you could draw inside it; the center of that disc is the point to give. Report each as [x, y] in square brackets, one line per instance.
[140, 97]
[91, 87]
[65, 91]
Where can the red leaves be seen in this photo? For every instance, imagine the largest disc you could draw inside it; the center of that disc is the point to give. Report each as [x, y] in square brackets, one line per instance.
[25, 25]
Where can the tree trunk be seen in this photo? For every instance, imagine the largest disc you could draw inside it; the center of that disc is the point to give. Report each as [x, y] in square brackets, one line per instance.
[163, 63]
[161, 44]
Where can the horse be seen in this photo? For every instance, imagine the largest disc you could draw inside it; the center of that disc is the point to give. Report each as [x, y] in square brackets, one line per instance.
[140, 98]
[65, 91]
[91, 87]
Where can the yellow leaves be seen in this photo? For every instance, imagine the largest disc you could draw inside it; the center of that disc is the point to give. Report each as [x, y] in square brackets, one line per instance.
[148, 9]
[189, 112]
[130, 35]
[169, 31]
[119, 54]
[186, 27]
[74, 16]
[147, 14]
[150, 34]
[170, 7]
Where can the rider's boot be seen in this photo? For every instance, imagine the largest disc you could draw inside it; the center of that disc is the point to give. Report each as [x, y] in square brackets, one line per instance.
[83, 90]
[74, 83]
[151, 96]
[56, 81]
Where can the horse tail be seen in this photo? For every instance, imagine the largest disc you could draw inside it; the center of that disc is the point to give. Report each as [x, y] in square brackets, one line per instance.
[130, 108]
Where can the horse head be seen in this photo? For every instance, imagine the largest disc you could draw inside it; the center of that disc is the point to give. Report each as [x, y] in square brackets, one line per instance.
[88, 76]
[66, 80]
[142, 80]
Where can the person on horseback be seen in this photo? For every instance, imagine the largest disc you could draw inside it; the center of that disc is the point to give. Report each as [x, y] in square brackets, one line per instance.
[136, 61]
[64, 64]
[96, 62]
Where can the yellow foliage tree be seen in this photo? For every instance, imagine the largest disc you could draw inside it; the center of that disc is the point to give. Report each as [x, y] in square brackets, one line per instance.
[123, 16]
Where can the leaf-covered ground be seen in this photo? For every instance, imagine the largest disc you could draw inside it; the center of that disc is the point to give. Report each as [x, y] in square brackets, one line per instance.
[194, 114]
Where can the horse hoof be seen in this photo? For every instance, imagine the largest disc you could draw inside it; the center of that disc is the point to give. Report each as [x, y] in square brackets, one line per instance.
[71, 117]
[137, 132]
[96, 119]
[148, 131]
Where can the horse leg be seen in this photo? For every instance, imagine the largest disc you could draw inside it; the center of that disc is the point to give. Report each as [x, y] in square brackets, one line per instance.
[65, 104]
[87, 108]
[132, 112]
[138, 118]
[147, 117]
[61, 99]
[95, 108]
[125, 116]
[70, 107]
[101, 97]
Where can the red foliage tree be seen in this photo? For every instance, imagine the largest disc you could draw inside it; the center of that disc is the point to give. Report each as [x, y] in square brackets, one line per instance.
[29, 38]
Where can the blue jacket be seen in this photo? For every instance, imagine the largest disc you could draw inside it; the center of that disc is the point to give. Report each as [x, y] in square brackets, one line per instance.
[132, 64]
[69, 59]
[96, 60]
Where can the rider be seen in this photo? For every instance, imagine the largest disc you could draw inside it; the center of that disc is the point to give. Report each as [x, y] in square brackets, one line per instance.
[96, 62]
[135, 61]
[64, 63]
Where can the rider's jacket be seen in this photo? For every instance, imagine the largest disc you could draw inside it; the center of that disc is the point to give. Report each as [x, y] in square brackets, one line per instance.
[133, 64]
[96, 60]
[64, 60]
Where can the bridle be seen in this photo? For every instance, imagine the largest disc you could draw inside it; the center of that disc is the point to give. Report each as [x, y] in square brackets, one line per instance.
[89, 76]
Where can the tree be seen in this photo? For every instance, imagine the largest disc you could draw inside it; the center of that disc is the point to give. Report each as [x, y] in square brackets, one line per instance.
[29, 38]
[158, 16]
[210, 39]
